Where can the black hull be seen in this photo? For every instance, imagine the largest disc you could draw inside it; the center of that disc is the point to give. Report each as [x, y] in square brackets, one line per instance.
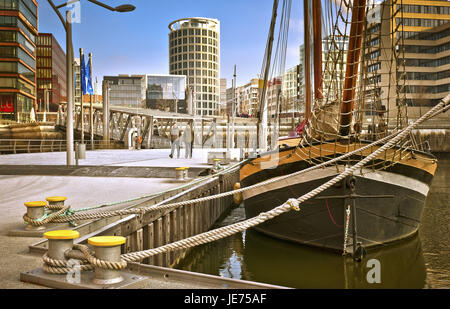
[321, 222]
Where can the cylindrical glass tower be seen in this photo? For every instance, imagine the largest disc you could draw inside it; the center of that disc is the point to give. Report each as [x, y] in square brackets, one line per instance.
[194, 50]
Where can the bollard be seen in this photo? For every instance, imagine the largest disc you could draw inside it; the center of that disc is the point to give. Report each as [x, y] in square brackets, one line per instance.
[216, 163]
[186, 172]
[35, 210]
[237, 197]
[59, 242]
[107, 248]
[57, 201]
[179, 173]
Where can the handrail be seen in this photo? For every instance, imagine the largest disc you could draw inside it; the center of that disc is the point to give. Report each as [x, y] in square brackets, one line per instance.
[14, 146]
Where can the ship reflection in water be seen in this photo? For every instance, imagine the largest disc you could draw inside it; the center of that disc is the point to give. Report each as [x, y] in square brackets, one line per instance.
[256, 257]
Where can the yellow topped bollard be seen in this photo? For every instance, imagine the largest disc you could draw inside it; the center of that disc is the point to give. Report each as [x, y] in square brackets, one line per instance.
[237, 197]
[35, 210]
[216, 163]
[55, 203]
[56, 200]
[186, 172]
[59, 242]
[107, 248]
[179, 172]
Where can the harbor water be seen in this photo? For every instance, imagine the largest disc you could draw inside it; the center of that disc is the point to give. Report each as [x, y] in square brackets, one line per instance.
[422, 261]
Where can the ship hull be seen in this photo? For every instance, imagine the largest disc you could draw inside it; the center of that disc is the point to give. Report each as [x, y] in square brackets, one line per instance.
[388, 209]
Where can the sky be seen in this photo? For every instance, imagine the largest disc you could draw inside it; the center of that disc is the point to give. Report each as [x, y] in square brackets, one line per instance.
[137, 42]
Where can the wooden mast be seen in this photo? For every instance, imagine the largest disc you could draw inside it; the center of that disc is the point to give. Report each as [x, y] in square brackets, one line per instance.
[317, 32]
[351, 74]
[260, 127]
[307, 63]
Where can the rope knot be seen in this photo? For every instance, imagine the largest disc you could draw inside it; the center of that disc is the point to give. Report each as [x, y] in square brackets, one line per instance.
[294, 204]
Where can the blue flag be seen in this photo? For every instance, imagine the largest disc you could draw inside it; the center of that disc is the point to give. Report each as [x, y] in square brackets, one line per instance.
[86, 83]
[89, 88]
[83, 75]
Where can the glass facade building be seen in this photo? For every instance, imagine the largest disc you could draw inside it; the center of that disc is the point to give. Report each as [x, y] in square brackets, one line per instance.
[51, 73]
[166, 93]
[18, 31]
[194, 50]
[423, 54]
[126, 90]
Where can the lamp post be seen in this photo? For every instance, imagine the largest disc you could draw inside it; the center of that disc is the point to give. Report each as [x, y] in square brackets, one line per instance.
[67, 24]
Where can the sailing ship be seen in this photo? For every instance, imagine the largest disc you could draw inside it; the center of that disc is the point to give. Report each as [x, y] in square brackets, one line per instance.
[349, 105]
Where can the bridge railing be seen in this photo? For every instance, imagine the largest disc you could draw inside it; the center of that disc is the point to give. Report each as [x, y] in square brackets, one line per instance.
[14, 146]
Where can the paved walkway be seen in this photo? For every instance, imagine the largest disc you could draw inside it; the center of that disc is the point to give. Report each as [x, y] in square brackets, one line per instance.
[119, 157]
[81, 192]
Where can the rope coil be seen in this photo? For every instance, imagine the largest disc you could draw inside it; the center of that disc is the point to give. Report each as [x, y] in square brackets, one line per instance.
[89, 262]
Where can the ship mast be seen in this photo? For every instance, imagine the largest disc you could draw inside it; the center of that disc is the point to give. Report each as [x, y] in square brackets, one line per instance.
[351, 74]
[317, 31]
[261, 126]
[307, 63]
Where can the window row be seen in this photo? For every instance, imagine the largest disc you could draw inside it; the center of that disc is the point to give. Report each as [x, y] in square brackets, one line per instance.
[17, 83]
[44, 40]
[13, 21]
[425, 9]
[427, 62]
[192, 56]
[198, 73]
[194, 64]
[185, 32]
[194, 48]
[16, 37]
[426, 49]
[16, 52]
[426, 75]
[426, 89]
[421, 22]
[193, 40]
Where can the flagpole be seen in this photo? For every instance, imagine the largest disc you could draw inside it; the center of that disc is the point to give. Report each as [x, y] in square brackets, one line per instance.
[82, 94]
[91, 107]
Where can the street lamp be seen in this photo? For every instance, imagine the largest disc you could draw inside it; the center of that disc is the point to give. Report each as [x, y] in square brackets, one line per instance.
[67, 24]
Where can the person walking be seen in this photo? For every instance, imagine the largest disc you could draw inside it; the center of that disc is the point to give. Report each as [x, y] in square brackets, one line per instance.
[191, 125]
[187, 140]
[175, 140]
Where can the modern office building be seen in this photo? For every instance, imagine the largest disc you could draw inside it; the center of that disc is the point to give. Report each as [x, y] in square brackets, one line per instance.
[334, 59]
[420, 57]
[246, 98]
[51, 73]
[194, 51]
[77, 85]
[293, 102]
[167, 93]
[223, 97]
[18, 31]
[127, 90]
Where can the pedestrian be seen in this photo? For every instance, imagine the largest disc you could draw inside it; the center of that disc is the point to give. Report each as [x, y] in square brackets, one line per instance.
[187, 140]
[191, 125]
[175, 140]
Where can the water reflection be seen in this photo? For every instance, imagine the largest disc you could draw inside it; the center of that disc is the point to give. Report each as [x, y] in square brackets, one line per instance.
[256, 257]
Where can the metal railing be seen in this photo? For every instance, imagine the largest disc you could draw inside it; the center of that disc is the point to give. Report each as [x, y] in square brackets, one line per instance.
[14, 146]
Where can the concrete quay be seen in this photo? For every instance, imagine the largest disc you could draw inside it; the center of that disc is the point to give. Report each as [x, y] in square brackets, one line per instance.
[87, 191]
